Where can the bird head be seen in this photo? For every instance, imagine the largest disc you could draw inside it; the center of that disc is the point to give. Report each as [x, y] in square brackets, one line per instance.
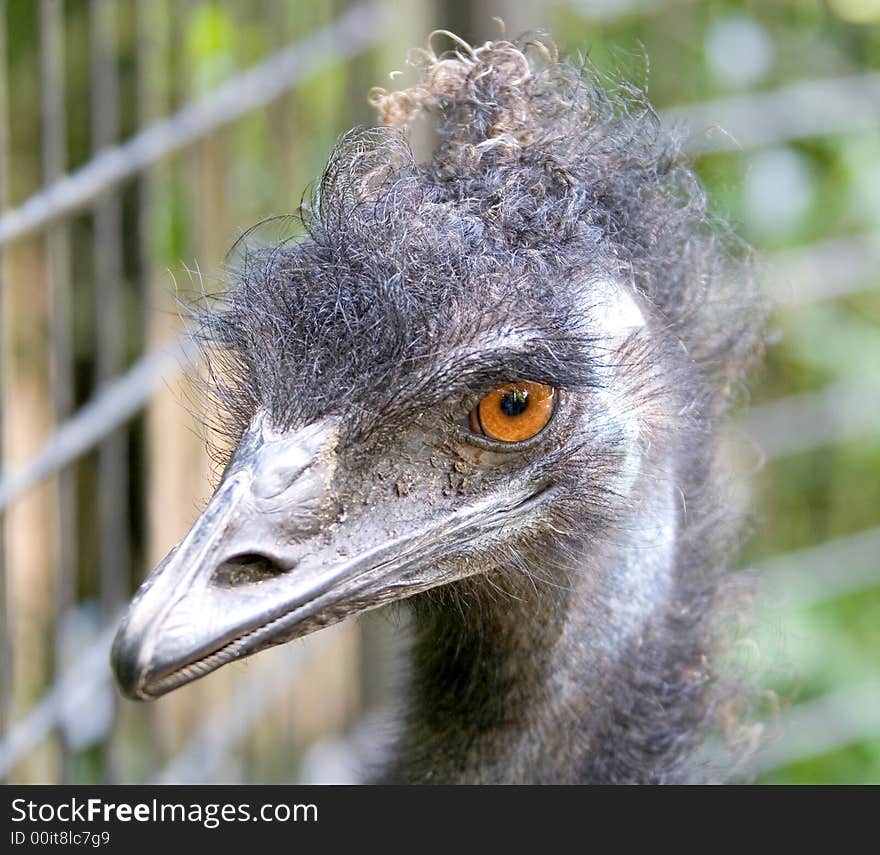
[453, 374]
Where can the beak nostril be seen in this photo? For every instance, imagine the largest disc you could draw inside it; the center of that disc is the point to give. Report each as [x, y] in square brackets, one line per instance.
[246, 569]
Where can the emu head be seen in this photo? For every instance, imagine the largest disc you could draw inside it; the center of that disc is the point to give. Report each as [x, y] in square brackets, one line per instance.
[465, 370]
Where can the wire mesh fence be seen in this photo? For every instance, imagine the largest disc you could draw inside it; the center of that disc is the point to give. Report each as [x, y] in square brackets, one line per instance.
[162, 129]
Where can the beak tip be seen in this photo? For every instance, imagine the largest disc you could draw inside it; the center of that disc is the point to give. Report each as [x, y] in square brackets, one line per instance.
[127, 668]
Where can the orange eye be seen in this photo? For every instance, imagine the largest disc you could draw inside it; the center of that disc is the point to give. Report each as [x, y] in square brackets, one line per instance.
[513, 412]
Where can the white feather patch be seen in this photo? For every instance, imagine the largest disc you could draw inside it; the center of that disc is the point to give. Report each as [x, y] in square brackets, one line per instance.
[614, 308]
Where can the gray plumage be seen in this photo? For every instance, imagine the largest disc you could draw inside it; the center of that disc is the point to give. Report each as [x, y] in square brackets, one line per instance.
[567, 634]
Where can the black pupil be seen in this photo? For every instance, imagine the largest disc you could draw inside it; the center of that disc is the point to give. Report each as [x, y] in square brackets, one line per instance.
[514, 402]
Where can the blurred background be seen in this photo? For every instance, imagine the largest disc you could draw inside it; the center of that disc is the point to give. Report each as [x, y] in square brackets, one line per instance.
[139, 139]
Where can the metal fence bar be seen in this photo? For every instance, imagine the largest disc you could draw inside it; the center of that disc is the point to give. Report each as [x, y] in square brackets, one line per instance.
[826, 724]
[110, 313]
[71, 690]
[6, 677]
[58, 260]
[358, 29]
[118, 401]
[152, 32]
[111, 323]
[816, 574]
[809, 108]
[824, 271]
[840, 412]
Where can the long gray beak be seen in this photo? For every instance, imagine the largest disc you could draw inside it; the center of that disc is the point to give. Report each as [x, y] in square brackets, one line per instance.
[273, 557]
[244, 573]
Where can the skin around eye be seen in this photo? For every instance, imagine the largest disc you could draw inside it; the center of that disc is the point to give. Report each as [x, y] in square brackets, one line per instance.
[513, 412]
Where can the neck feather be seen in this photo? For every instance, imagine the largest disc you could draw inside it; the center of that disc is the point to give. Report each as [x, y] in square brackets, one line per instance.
[591, 668]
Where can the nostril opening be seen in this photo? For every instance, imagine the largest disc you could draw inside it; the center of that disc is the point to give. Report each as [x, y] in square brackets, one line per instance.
[246, 569]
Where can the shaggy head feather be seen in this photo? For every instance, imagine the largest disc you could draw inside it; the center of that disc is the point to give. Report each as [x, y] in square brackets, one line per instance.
[542, 174]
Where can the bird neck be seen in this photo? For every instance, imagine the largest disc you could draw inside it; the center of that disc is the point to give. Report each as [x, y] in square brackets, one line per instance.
[591, 670]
